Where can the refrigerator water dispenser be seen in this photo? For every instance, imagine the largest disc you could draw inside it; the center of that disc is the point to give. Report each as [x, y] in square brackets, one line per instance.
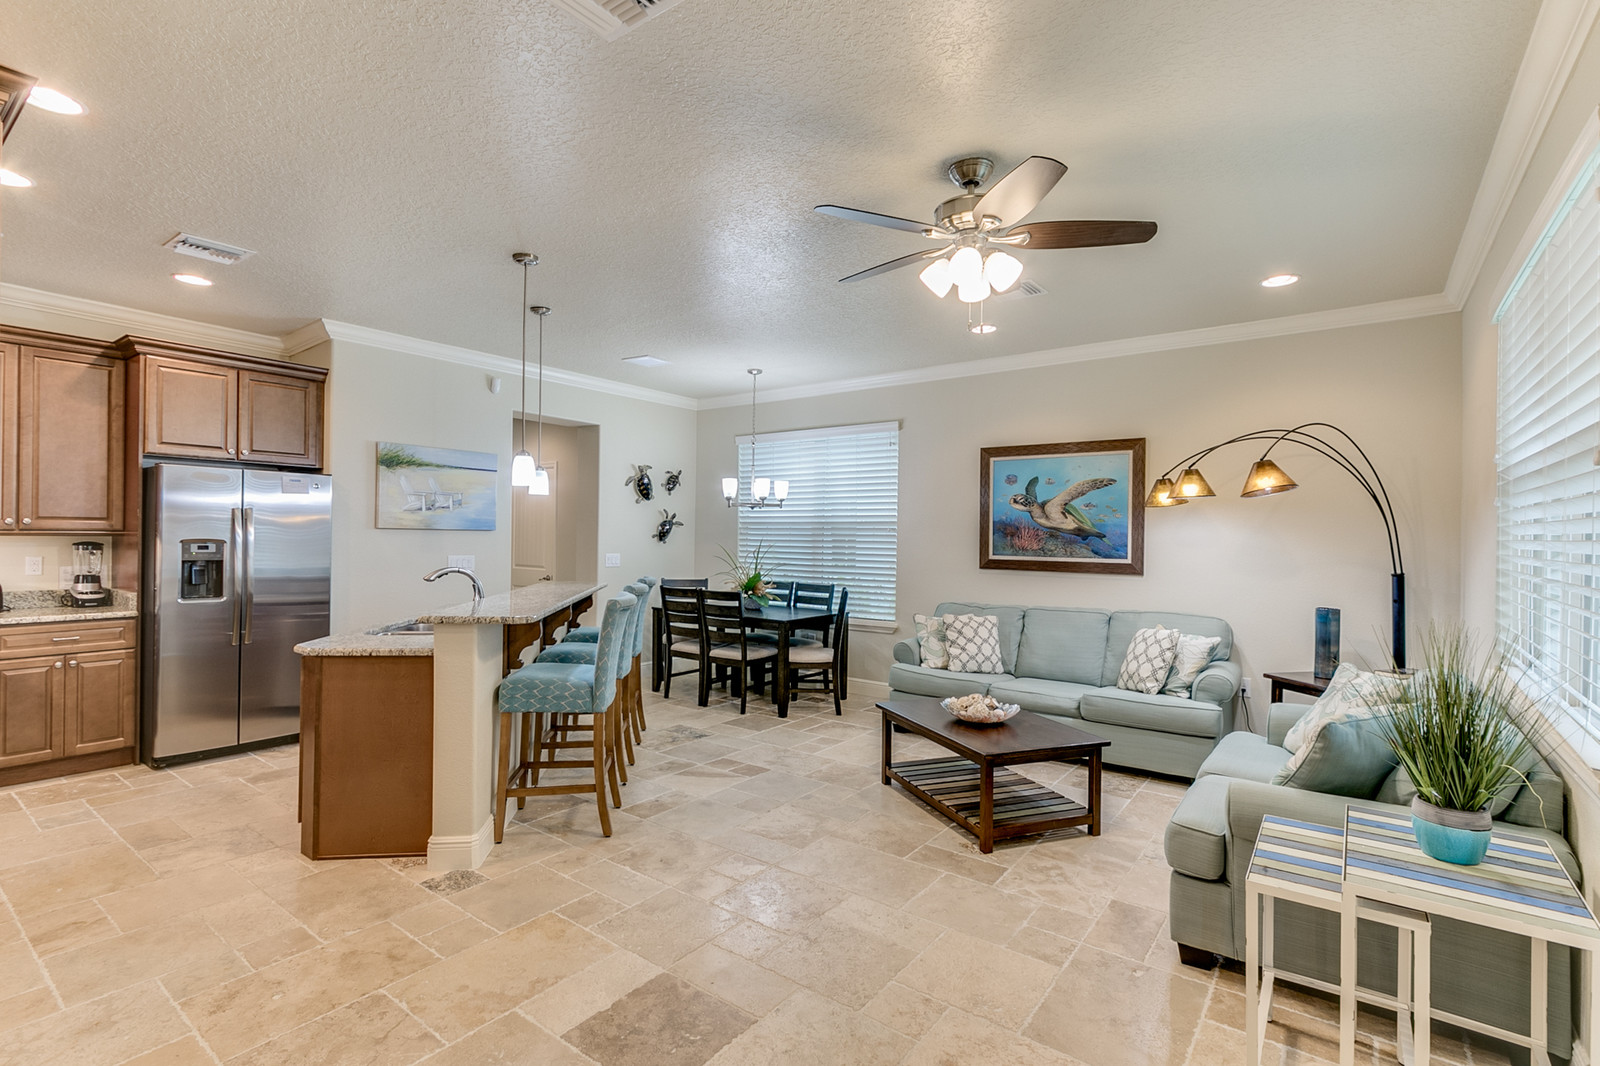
[200, 570]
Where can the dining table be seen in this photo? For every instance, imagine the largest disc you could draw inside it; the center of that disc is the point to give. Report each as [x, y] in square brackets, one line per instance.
[783, 621]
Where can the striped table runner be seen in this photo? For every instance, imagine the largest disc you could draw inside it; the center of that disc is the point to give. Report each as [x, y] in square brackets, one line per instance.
[1307, 859]
[1520, 879]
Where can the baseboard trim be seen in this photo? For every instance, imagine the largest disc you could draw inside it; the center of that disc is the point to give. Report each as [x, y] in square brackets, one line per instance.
[461, 852]
[876, 689]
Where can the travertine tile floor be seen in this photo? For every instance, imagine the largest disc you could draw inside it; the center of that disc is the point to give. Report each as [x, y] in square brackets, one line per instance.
[764, 900]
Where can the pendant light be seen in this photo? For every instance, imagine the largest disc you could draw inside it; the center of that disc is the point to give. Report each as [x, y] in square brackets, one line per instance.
[540, 485]
[764, 492]
[526, 471]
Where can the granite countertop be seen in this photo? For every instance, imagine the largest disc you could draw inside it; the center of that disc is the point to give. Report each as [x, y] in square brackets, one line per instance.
[31, 606]
[368, 644]
[531, 603]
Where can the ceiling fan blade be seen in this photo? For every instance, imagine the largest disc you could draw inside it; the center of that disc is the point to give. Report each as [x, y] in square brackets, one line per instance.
[1084, 233]
[1013, 196]
[872, 218]
[896, 264]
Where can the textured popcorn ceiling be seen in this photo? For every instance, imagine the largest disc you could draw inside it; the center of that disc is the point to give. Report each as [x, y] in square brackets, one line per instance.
[384, 160]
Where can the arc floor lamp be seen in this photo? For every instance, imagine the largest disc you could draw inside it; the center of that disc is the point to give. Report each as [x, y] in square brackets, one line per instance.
[1266, 478]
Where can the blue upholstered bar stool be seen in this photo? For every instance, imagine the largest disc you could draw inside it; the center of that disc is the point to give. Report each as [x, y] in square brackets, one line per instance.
[540, 692]
[581, 652]
[590, 634]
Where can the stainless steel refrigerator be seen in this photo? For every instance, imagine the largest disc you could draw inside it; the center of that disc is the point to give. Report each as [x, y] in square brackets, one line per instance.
[235, 575]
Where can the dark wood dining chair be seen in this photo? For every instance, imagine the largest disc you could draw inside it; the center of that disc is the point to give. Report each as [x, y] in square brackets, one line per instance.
[821, 667]
[781, 593]
[811, 595]
[722, 633]
[680, 607]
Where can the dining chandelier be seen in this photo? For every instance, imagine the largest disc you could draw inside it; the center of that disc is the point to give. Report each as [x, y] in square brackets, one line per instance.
[528, 470]
[764, 492]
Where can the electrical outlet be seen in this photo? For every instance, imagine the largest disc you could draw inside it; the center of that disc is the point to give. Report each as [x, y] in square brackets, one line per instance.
[33, 565]
[1244, 686]
[613, 559]
[66, 577]
[466, 562]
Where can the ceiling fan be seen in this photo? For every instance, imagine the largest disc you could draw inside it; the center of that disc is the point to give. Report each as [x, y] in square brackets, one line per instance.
[975, 228]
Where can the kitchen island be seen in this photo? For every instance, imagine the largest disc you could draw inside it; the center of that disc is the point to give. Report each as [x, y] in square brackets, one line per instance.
[471, 648]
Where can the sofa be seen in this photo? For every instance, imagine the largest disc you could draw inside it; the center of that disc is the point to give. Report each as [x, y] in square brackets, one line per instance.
[1478, 973]
[1063, 662]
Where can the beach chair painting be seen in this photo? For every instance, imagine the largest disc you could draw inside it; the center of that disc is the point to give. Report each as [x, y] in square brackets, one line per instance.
[435, 488]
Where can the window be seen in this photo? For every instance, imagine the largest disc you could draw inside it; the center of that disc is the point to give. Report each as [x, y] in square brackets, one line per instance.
[839, 523]
[1547, 448]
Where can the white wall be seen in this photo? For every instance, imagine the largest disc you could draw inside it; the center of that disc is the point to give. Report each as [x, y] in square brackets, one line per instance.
[375, 394]
[1264, 565]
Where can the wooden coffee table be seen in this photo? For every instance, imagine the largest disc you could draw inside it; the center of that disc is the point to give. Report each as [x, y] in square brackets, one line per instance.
[975, 790]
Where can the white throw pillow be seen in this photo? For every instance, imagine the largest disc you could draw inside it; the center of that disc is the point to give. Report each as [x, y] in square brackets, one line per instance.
[1351, 694]
[931, 641]
[1194, 655]
[1148, 660]
[973, 641]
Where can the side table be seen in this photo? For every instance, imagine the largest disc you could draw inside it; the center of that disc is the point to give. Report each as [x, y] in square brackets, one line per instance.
[1304, 682]
[1304, 863]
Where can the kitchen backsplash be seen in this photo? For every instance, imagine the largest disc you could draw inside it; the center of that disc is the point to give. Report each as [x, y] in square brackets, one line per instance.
[53, 552]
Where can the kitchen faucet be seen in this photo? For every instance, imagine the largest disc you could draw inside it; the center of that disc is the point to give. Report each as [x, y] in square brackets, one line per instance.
[477, 586]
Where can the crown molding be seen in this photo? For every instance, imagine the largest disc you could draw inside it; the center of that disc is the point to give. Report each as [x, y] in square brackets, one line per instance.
[128, 320]
[1314, 322]
[1559, 33]
[450, 353]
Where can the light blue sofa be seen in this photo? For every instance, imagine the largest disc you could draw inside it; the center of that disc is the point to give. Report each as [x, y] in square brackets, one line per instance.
[1064, 661]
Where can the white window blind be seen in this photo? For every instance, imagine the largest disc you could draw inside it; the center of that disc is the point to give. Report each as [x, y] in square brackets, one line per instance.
[1548, 433]
[840, 520]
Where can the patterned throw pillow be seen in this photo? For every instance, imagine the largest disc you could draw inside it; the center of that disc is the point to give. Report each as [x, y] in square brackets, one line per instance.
[974, 643]
[1351, 694]
[1148, 660]
[931, 641]
[1194, 655]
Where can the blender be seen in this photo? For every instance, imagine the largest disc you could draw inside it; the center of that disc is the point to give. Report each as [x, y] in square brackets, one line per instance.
[88, 563]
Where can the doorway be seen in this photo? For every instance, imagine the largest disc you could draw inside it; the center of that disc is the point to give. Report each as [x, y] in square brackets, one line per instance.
[556, 537]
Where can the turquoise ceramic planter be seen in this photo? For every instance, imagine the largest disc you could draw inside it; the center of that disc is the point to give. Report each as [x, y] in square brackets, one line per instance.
[1459, 837]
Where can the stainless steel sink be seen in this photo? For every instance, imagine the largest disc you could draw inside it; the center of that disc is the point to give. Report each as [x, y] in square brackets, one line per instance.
[402, 629]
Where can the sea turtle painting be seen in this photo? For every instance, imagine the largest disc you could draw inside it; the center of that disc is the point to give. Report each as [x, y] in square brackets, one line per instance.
[1058, 512]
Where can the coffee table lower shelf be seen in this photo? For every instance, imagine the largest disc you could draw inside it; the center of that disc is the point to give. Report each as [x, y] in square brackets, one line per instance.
[1022, 807]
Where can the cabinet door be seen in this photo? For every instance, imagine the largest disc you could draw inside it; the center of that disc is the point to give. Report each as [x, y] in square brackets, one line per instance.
[191, 409]
[280, 419]
[32, 728]
[9, 356]
[99, 705]
[72, 426]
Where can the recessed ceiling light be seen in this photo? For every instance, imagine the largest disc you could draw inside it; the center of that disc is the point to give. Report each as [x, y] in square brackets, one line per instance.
[646, 360]
[50, 100]
[192, 279]
[1278, 281]
[14, 180]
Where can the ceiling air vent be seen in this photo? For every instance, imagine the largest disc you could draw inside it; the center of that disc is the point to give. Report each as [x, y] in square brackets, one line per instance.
[613, 18]
[212, 251]
[1025, 288]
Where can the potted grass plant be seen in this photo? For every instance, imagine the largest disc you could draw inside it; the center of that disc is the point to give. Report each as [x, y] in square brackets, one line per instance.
[1454, 728]
[745, 575]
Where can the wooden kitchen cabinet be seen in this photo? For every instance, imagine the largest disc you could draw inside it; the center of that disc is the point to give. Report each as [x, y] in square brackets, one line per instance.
[63, 430]
[68, 702]
[200, 404]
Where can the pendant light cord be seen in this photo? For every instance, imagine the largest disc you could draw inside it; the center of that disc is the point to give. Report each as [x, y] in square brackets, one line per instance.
[538, 462]
[522, 420]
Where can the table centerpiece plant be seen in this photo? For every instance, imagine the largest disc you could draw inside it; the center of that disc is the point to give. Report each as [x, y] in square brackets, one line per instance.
[745, 575]
[1454, 726]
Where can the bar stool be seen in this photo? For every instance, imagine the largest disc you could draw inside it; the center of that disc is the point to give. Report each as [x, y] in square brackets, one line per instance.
[557, 689]
[590, 634]
[581, 652]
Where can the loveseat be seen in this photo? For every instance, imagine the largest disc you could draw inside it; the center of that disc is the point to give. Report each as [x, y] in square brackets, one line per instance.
[1064, 662]
[1478, 973]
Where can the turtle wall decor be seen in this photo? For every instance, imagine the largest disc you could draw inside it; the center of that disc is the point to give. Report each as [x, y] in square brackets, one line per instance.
[664, 528]
[673, 479]
[643, 489]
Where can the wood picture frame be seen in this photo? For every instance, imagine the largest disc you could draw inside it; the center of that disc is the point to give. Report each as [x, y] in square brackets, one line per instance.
[1098, 531]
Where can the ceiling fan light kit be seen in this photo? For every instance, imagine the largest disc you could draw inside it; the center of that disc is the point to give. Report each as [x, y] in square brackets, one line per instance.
[978, 226]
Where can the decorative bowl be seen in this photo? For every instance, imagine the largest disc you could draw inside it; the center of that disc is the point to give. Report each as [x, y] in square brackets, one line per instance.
[979, 710]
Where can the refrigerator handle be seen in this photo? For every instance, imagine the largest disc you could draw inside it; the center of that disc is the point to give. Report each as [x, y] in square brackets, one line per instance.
[236, 538]
[248, 608]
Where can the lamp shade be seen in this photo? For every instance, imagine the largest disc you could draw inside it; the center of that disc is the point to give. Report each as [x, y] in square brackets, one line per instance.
[1161, 495]
[936, 276]
[1193, 484]
[730, 488]
[780, 490]
[1001, 270]
[966, 267]
[1266, 478]
[522, 467]
[540, 485]
[760, 488]
[973, 293]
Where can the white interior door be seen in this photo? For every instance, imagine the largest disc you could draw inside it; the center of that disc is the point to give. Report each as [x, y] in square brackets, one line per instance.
[533, 532]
